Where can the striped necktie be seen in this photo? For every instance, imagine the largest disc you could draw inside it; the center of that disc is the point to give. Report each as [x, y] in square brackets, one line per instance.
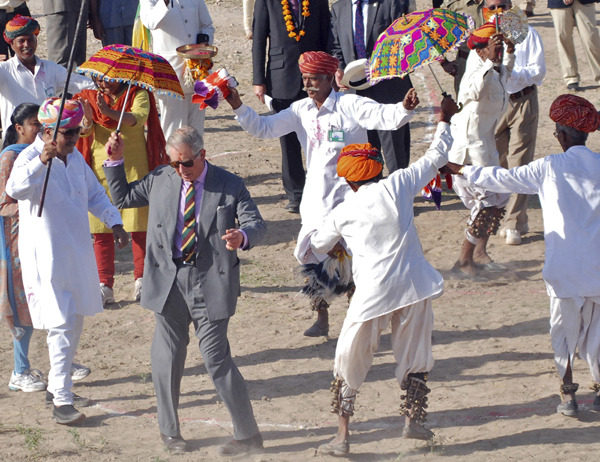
[359, 31]
[188, 234]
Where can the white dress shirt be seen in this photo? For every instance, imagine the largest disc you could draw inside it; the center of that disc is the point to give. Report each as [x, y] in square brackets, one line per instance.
[569, 191]
[377, 222]
[323, 132]
[530, 65]
[19, 85]
[483, 95]
[59, 269]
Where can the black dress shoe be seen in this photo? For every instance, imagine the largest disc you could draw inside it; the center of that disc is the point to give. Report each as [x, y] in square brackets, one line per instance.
[67, 415]
[293, 207]
[239, 447]
[174, 444]
[573, 87]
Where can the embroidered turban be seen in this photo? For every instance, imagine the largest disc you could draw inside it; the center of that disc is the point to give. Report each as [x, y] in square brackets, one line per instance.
[481, 35]
[359, 162]
[71, 115]
[20, 25]
[318, 62]
[575, 112]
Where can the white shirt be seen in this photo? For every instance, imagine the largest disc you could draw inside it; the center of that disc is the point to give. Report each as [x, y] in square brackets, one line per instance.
[176, 25]
[483, 96]
[10, 5]
[59, 270]
[19, 85]
[377, 223]
[342, 119]
[530, 65]
[569, 192]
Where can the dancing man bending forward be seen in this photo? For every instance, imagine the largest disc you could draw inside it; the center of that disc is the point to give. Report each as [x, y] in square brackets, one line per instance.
[394, 282]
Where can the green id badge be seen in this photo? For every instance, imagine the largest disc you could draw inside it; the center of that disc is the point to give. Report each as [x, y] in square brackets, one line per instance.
[336, 135]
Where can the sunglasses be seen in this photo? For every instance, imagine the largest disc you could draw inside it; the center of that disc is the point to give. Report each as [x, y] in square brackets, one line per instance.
[188, 163]
[502, 6]
[70, 132]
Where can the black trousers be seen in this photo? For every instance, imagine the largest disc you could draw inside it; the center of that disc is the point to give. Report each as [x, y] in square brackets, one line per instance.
[292, 169]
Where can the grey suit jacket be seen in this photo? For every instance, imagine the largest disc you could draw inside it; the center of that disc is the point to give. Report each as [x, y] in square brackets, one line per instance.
[219, 267]
[381, 13]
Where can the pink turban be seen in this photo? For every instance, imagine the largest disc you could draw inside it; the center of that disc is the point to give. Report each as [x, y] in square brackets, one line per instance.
[71, 115]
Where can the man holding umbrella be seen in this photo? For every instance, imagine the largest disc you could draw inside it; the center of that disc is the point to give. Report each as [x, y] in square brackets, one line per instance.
[59, 270]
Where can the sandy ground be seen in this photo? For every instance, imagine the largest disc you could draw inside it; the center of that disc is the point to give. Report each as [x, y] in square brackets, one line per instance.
[494, 385]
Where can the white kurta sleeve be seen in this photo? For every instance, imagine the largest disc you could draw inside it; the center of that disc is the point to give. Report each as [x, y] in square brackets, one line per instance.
[532, 69]
[26, 179]
[375, 116]
[323, 240]
[421, 172]
[152, 12]
[522, 180]
[271, 126]
[99, 204]
[473, 82]
[205, 21]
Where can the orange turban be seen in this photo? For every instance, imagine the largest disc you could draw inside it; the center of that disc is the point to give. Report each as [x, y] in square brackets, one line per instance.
[20, 25]
[575, 112]
[318, 62]
[481, 35]
[359, 162]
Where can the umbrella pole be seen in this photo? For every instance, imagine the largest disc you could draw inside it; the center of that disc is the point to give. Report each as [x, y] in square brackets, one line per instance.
[124, 106]
[62, 101]
[436, 80]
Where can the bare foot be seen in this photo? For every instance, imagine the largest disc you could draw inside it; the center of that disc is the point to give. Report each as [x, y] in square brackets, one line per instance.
[416, 431]
[467, 268]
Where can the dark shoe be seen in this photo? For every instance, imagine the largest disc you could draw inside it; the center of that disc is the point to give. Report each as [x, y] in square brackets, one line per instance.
[67, 415]
[174, 444]
[316, 330]
[335, 449]
[596, 404]
[417, 431]
[573, 86]
[293, 207]
[239, 447]
[78, 400]
[568, 408]
[529, 13]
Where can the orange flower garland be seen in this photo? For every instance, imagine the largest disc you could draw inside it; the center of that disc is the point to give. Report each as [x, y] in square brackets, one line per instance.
[289, 19]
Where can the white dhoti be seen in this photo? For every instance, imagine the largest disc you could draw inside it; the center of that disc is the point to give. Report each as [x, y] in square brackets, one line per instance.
[575, 324]
[476, 198]
[412, 327]
[176, 113]
[62, 346]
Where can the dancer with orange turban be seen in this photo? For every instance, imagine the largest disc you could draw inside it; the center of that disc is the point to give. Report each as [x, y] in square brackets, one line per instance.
[394, 282]
[483, 96]
[569, 192]
[325, 121]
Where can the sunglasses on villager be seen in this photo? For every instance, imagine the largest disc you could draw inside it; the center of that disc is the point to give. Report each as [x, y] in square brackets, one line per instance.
[187, 163]
[502, 6]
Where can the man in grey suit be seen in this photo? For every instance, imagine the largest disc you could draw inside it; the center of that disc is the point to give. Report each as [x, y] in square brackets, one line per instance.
[374, 17]
[192, 274]
[61, 22]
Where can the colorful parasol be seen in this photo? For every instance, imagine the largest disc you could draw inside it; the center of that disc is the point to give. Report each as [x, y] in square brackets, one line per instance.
[126, 64]
[416, 39]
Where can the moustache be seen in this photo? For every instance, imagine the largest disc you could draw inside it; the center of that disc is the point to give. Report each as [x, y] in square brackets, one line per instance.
[310, 89]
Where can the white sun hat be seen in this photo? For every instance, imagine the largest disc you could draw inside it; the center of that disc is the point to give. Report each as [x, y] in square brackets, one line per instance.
[356, 75]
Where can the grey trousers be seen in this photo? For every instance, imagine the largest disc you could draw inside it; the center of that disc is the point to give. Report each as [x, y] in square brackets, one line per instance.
[60, 31]
[185, 304]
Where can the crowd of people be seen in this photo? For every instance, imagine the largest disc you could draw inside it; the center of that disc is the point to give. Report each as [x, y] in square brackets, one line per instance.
[188, 218]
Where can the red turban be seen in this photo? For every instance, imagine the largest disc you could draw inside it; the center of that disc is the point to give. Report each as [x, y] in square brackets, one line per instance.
[481, 35]
[359, 162]
[575, 112]
[20, 25]
[318, 62]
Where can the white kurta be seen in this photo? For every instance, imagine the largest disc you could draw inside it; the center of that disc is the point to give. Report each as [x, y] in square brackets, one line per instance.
[377, 222]
[323, 132]
[483, 96]
[530, 64]
[59, 268]
[569, 192]
[172, 26]
[19, 85]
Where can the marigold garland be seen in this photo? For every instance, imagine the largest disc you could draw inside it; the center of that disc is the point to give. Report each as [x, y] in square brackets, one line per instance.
[289, 19]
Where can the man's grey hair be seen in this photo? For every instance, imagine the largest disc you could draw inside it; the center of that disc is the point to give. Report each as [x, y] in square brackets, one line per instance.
[188, 136]
[576, 136]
